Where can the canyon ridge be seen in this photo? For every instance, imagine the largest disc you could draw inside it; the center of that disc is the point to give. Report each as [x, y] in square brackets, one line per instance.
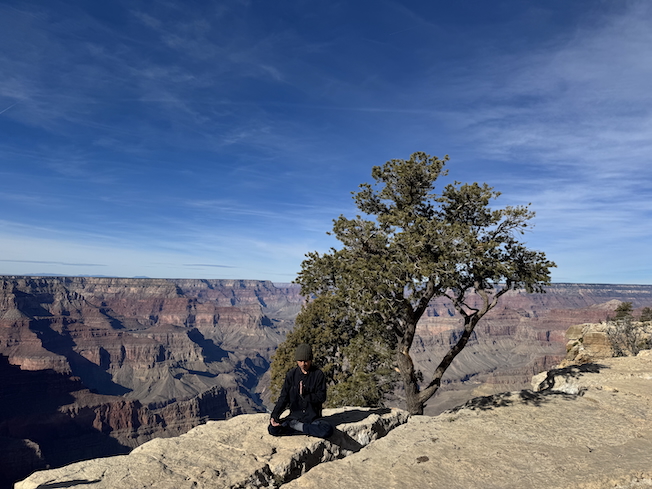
[91, 367]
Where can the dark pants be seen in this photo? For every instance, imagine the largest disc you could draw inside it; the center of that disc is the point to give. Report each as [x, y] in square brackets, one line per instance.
[318, 428]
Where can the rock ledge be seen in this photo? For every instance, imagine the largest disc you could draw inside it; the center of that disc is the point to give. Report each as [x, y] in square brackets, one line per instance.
[236, 453]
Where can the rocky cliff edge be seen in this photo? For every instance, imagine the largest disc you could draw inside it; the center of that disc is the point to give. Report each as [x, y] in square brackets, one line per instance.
[236, 453]
[582, 426]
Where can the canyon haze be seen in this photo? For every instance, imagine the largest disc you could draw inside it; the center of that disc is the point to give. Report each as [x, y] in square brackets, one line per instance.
[91, 367]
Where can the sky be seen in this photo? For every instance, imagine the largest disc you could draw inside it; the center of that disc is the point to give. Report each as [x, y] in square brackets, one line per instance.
[219, 139]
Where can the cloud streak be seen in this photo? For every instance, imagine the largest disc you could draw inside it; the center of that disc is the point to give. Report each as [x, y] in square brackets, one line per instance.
[230, 135]
[55, 263]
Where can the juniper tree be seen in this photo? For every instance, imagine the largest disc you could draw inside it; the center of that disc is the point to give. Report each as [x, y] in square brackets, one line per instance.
[646, 315]
[409, 245]
[624, 310]
[355, 357]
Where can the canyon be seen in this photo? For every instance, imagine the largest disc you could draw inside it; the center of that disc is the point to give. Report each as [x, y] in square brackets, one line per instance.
[91, 367]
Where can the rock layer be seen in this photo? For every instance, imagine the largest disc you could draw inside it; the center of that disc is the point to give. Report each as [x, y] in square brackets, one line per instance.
[103, 365]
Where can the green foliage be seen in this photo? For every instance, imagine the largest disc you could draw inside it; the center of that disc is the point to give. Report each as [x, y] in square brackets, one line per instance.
[646, 315]
[624, 310]
[413, 245]
[357, 366]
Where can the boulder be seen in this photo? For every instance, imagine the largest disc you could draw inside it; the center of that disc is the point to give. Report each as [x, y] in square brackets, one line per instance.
[586, 343]
[222, 454]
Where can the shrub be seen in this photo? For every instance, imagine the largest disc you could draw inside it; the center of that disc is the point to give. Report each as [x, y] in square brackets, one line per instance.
[626, 337]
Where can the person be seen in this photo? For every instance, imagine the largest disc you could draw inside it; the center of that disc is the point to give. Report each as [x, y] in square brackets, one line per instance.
[304, 392]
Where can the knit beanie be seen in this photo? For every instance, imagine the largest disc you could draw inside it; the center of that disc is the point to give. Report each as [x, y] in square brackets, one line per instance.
[303, 352]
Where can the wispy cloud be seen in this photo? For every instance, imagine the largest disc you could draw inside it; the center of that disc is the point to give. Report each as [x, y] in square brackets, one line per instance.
[230, 134]
[55, 263]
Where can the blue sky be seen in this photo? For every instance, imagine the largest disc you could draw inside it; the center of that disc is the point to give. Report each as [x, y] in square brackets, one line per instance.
[216, 139]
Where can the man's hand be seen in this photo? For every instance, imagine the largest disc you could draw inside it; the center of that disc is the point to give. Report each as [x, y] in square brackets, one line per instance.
[273, 422]
[301, 388]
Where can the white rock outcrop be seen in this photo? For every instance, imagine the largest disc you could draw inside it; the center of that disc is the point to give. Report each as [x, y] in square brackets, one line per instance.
[236, 453]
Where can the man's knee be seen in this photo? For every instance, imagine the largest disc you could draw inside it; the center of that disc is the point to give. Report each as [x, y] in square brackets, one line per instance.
[328, 429]
[320, 429]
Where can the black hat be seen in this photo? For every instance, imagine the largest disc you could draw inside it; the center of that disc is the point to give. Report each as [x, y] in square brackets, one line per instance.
[303, 353]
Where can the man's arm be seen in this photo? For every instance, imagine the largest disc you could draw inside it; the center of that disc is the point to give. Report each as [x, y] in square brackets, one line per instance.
[283, 399]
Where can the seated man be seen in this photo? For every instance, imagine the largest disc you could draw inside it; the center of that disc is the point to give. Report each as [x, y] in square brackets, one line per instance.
[304, 391]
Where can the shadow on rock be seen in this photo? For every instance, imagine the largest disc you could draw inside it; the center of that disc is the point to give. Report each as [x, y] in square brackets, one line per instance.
[354, 415]
[73, 483]
[505, 399]
[567, 373]
[345, 441]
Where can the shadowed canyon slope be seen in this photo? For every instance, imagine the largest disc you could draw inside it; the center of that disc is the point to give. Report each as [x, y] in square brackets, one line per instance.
[105, 364]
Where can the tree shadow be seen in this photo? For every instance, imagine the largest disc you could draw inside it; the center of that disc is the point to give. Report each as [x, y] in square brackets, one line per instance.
[504, 399]
[570, 372]
[72, 483]
[354, 415]
[545, 394]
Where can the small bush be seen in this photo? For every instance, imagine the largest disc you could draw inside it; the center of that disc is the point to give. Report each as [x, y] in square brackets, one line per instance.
[646, 315]
[626, 337]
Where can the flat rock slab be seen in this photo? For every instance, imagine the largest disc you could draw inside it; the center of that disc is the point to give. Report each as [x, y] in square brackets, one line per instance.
[593, 431]
[224, 454]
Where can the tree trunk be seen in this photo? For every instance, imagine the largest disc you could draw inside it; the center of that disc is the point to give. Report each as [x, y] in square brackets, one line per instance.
[410, 383]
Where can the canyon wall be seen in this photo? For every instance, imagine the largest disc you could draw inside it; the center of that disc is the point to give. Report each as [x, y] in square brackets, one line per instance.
[105, 364]
[97, 366]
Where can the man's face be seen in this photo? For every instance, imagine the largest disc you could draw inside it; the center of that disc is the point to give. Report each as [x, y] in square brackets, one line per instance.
[304, 365]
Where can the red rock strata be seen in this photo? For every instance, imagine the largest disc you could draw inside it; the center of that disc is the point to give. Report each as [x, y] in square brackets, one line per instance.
[104, 364]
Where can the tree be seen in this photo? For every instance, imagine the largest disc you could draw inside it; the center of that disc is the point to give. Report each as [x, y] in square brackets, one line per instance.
[355, 358]
[624, 310]
[646, 315]
[626, 337]
[413, 245]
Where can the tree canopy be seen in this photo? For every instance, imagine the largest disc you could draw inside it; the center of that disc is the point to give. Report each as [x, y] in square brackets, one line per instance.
[624, 310]
[407, 246]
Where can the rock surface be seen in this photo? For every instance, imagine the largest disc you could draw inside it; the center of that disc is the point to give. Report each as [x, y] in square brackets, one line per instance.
[588, 427]
[220, 454]
[585, 427]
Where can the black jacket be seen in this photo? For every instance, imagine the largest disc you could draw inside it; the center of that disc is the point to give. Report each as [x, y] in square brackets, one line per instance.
[305, 408]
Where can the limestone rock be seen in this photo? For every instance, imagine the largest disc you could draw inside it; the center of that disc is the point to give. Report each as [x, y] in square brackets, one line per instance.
[232, 453]
[598, 438]
[586, 343]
